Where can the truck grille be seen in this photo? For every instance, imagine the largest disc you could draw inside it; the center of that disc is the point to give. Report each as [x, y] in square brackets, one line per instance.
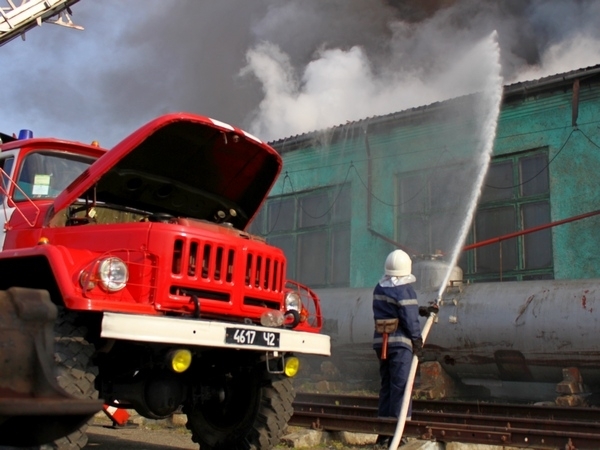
[207, 261]
[263, 272]
[203, 260]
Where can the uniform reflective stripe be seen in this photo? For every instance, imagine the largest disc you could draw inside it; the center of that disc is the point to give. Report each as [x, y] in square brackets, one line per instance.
[385, 298]
[410, 301]
[111, 410]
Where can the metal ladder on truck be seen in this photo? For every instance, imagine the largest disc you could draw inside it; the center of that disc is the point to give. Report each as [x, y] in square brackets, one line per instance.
[18, 17]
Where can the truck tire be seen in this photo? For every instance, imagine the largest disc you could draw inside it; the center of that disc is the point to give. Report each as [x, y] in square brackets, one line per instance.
[252, 415]
[75, 371]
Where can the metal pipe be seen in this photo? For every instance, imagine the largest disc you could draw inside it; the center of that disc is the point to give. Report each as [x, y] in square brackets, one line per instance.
[369, 182]
[391, 241]
[529, 230]
[575, 103]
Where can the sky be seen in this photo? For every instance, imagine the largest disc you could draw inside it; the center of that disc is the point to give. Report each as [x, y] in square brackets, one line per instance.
[275, 68]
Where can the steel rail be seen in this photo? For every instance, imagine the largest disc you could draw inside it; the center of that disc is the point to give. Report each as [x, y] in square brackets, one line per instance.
[517, 425]
[494, 409]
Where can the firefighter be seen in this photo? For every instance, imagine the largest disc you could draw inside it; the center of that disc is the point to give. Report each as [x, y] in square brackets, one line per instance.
[397, 333]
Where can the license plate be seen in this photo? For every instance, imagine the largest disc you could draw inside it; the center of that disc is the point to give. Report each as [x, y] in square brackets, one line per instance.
[241, 336]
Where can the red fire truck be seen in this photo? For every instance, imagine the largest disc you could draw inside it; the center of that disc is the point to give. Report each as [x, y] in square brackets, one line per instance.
[164, 301]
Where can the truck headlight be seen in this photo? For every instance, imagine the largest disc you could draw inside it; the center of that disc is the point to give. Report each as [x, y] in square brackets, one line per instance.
[180, 360]
[292, 301]
[291, 367]
[112, 274]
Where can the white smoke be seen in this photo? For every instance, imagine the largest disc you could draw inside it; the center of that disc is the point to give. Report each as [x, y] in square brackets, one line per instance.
[576, 52]
[342, 86]
[339, 85]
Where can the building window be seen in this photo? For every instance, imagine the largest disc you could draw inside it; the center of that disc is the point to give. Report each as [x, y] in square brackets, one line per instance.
[424, 209]
[313, 230]
[515, 197]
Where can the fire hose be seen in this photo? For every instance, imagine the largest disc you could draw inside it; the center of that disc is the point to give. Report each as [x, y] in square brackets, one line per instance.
[409, 383]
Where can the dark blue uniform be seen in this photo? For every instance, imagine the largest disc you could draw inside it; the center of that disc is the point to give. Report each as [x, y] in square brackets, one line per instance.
[395, 302]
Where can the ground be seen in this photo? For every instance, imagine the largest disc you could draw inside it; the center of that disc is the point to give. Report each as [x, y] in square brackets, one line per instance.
[161, 436]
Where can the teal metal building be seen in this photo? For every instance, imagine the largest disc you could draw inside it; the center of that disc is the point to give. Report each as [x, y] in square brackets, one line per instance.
[337, 209]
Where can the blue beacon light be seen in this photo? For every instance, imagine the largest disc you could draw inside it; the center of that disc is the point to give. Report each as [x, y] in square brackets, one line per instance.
[25, 134]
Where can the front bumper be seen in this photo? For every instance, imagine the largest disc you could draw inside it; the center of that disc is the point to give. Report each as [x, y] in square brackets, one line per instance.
[206, 333]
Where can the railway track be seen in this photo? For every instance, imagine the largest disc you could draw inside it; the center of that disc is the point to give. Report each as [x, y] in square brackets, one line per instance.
[541, 427]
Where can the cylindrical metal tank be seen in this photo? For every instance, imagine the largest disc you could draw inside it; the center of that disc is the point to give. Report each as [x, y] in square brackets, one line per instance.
[514, 338]
[431, 273]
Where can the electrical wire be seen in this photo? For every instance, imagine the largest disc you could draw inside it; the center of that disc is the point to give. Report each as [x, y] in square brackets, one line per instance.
[334, 200]
[588, 138]
[295, 195]
[511, 136]
[540, 172]
[286, 177]
[370, 192]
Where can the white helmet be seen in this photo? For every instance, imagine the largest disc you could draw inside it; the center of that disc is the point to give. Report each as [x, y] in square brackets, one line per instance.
[398, 264]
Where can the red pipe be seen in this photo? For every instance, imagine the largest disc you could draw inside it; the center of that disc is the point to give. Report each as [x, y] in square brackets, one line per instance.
[529, 230]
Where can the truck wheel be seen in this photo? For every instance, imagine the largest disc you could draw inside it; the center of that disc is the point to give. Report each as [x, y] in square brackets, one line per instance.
[75, 372]
[251, 413]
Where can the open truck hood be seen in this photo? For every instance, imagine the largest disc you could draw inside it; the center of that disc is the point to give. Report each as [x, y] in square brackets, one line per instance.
[184, 165]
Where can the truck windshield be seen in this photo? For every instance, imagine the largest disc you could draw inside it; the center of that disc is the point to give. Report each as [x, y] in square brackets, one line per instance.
[45, 174]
